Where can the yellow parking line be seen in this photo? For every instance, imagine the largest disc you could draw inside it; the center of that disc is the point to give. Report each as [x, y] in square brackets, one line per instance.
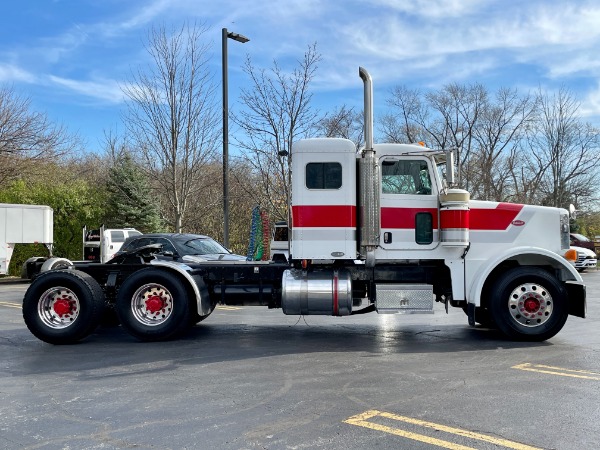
[560, 371]
[228, 308]
[11, 305]
[361, 420]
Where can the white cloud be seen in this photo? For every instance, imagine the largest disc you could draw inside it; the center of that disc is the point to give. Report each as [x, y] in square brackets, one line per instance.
[10, 73]
[439, 9]
[560, 39]
[590, 105]
[54, 49]
[144, 16]
[105, 90]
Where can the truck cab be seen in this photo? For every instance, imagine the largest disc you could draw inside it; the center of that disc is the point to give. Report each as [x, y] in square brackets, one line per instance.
[100, 245]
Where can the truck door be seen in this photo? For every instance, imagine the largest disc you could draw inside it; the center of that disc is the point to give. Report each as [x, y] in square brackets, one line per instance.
[409, 205]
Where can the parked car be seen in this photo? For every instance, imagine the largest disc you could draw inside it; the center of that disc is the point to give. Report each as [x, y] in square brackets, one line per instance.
[184, 247]
[579, 240]
[586, 259]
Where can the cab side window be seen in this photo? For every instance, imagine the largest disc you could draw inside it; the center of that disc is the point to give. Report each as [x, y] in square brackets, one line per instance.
[117, 236]
[405, 177]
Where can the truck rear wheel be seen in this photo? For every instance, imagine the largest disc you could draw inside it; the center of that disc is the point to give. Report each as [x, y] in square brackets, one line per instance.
[528, 304]
[63, 306]
[152, 305]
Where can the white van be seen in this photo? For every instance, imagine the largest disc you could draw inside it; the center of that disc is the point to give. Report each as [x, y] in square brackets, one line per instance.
[101, 245]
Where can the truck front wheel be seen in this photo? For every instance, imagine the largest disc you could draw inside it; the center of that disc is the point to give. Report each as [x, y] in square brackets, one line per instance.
[63, 306]
[528, 304]
[152, 305]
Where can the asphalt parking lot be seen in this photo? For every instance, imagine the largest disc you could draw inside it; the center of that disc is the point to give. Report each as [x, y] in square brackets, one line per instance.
[249, 378]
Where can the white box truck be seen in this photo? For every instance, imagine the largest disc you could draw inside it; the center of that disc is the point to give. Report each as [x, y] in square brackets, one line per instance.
[23, 224]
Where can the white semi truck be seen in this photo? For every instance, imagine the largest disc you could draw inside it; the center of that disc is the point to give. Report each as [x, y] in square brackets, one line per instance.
[23, 224]
[380, 230]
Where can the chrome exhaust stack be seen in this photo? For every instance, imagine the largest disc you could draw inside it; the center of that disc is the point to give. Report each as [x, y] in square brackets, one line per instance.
[368, 181]
[368, 111]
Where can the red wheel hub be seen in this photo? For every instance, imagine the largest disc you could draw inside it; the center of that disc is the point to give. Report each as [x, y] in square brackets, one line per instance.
[532, 305]
[154, 303]
[62, 307]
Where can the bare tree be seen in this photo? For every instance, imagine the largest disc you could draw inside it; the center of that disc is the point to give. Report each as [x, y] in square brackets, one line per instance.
[457, 110]
[565, 152]
[27, 137]
[276, 113]
[406, 122]
[486, 131]
[497, 138]
[443, 119]
[345, 123]
[172, 115]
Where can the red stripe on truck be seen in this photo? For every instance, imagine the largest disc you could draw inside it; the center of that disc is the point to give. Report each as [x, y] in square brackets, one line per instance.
[494, 219]
[343, 216]
[404, 218]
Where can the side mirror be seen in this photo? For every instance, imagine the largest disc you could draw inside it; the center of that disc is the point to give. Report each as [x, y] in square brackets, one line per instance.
[450, 167]
[572, 211]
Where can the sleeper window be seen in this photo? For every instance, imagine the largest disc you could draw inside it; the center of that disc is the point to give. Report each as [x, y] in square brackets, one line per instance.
[326, 175]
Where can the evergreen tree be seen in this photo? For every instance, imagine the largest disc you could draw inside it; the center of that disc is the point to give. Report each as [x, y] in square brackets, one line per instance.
[130, 199]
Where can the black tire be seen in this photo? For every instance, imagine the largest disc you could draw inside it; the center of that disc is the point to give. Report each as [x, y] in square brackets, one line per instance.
[63, 306]
[528, 304]
[152, 305]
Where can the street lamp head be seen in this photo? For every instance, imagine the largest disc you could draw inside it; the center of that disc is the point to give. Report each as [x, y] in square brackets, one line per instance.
[238, 37]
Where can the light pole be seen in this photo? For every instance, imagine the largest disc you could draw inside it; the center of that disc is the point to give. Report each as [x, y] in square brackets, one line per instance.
[243, 39]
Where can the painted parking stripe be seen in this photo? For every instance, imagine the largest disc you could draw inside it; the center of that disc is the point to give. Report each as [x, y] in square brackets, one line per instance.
[362, 420]
[560, 371]
[11, 305]
[228, 308]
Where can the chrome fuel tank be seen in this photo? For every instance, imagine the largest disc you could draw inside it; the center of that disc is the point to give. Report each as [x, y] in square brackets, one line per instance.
[323, 292]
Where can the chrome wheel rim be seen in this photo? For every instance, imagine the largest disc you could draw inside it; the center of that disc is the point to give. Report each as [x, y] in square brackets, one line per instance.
[152, 304]
[530, 305]
[58, 307]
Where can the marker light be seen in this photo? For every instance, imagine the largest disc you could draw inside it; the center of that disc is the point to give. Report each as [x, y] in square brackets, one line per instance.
[571, 255]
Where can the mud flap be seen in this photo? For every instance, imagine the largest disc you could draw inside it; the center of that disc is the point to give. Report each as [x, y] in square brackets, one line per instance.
[471, 313]
[577, 304]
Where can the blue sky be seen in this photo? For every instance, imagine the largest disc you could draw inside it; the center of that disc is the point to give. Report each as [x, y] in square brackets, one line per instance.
[71, 57]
